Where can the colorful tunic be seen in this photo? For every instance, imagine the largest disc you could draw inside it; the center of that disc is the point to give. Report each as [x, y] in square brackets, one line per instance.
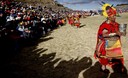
[108, 48]
[77, 21]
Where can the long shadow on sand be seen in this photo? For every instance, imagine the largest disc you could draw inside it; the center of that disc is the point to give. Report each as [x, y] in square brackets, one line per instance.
[33, 63]
[117, 68]
[95, 72]
[82, 25]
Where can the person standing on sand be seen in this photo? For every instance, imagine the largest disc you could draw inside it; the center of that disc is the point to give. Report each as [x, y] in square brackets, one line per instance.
[77, 20]
[108, 47]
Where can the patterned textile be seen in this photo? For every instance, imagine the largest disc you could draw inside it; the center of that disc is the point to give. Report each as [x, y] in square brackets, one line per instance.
[113, 49]
[108, 49]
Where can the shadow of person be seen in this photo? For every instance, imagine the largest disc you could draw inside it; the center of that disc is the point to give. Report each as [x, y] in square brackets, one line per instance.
[82, 25]
[34, 63]
[119, 70]
[31, 66]
[71, 68]
[95, 72]
[44, 39]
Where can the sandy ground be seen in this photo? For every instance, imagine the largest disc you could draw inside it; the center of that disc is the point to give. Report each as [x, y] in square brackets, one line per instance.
[67, 52]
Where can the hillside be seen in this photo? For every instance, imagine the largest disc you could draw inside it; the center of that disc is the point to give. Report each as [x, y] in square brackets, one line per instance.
[47, 3]
[122, 6]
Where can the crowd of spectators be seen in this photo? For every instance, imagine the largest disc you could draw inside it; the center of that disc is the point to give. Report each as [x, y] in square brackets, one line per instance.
[20, 22]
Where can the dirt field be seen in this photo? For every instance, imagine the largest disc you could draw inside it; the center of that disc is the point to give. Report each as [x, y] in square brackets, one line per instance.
[67, 52]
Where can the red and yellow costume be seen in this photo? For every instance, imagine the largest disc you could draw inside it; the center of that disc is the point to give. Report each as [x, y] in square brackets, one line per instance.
[77, 21]
[70, 20]
[107, 49]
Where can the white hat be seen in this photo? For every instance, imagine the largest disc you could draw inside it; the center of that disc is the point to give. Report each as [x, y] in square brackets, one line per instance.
[8, 20]
[18, 18]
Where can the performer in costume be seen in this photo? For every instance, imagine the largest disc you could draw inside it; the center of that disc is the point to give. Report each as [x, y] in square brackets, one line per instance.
[77, 21]
[108, 47]
[71, 20]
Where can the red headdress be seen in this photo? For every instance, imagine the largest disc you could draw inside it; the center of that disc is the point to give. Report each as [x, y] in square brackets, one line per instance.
[108, 10]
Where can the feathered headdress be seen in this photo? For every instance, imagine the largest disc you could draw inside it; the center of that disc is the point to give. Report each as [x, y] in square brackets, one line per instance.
[108, 10]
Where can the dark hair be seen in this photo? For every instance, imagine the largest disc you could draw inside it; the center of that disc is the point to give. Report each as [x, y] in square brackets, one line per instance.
[108, 7]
